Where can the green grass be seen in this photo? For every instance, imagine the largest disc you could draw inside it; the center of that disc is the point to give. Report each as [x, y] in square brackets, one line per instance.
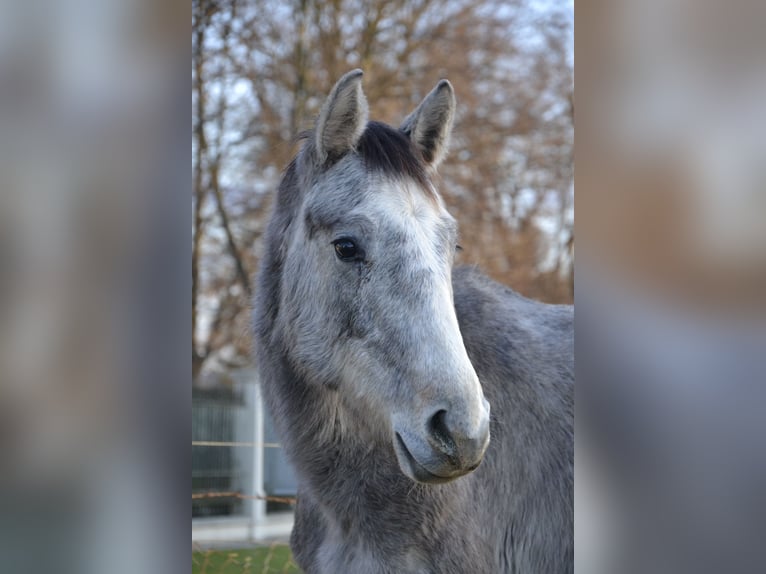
[274, 559]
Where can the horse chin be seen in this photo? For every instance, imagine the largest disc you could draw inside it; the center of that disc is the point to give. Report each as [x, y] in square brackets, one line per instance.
[415, 470]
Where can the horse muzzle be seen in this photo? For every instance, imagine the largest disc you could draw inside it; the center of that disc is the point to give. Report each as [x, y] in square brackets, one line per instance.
[447, 449]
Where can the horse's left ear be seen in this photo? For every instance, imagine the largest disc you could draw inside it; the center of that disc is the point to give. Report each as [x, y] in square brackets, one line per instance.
[430, 124]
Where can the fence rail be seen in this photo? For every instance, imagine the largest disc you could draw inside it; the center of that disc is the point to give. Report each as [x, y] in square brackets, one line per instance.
[225, 443]
[282, 499]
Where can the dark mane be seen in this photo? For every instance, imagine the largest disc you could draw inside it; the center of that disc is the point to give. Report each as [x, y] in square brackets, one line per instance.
[386, 150]
[391, 152]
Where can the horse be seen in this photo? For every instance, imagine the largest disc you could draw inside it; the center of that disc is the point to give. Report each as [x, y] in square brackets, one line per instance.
[380, 364]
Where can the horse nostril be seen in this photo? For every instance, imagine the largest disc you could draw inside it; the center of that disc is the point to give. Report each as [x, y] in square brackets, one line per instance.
[462, 447]
[440, 436]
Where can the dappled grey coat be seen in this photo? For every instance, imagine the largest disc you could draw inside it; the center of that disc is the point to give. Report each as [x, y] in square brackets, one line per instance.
[359, 510]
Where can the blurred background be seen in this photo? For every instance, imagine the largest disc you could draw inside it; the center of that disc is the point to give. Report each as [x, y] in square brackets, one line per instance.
[670, 462]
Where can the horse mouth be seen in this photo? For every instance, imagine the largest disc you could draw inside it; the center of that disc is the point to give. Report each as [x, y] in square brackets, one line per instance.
[415, 470]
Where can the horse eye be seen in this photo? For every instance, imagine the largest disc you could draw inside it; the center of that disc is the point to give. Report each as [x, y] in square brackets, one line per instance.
[345, 249]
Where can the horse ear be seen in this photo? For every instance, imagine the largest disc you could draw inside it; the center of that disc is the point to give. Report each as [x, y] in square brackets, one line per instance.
[343, 117]
[430, 124]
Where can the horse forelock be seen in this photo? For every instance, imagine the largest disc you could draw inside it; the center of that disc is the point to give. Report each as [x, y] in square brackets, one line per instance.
[391, 152]
[383, 149]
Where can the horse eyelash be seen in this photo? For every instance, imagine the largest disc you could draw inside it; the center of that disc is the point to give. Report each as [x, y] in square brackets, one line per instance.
[458, 247]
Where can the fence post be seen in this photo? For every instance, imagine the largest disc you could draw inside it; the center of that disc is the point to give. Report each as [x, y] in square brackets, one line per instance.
[258, 507]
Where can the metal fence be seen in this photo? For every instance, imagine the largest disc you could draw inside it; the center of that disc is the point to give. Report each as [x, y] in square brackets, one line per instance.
[215, 468]
[242, 485]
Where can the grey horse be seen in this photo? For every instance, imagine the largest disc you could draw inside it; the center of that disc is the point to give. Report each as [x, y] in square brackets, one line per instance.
[380, 363]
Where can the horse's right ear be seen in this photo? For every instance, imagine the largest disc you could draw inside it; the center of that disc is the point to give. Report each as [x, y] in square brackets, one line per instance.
[342, 119]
